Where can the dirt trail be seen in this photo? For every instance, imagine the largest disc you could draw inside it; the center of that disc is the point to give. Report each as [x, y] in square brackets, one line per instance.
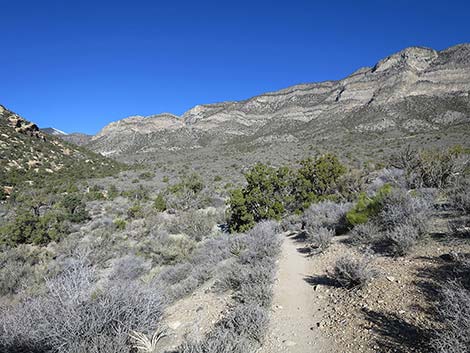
[296, 311]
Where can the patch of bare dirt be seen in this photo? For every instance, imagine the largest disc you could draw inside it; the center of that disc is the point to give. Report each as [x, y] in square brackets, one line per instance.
[395, 313]
[194, 316]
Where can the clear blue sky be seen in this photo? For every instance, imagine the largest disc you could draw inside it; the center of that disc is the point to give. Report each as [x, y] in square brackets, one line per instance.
[78, 65]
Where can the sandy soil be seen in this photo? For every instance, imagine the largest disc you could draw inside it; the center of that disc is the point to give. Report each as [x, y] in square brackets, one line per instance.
[296, 319]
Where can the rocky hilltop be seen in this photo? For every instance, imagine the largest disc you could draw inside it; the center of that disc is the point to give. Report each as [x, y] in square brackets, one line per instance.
[417, 90]
[29, 155]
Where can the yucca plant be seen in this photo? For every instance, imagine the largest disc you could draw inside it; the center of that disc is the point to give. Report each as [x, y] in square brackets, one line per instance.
[145, 344]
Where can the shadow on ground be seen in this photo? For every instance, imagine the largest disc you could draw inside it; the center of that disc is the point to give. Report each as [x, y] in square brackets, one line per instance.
[322, 280]
[397, 335]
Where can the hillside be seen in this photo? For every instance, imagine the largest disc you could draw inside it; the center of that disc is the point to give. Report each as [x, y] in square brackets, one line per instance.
[28, 155]
[418, 96]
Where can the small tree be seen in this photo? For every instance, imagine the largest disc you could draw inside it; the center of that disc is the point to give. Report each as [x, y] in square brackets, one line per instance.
[262, 198]
[75, 208]
[316, 179]
[240, 218]
[322, 173]
[272, 191]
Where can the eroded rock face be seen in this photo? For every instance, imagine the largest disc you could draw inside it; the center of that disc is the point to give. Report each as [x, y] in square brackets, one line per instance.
[413, 90]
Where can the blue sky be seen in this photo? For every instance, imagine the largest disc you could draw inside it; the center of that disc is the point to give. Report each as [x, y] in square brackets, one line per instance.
[78, 65]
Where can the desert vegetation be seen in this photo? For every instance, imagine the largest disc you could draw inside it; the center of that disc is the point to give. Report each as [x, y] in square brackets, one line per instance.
[93, 264]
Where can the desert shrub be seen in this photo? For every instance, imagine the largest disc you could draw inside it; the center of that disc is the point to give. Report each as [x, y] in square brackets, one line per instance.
[319, 238]
[112, 192]
[396, 220]
[391, 176]
[120, 224]
[431, 169]
[454, 312]
[160, 203]
[187, 197]
[95, 193]
[175, 274]
[72, 315]
[75, 208]
[252, 275]
[163, 248]
[291, 223]
[188, 193]
[251, 282]
[459, 196]
[352, 272]
[128, 268]
[16, 268]
[350, 184]
[139, 194]
[367, 207]
[195, 224]
[262, 242]
[257, 289]
[242, 331]
[135, 211]
[251, 278]
[401, 239]
[213, 251]
[27, 228]
[147, 175]
[326, 214]
[192, 182]
[366, 233]
[400, 207]
[97, 223]
[181, 280]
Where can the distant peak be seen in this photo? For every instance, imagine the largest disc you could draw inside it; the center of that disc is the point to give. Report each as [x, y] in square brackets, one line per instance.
[418, 58]
[53, 131]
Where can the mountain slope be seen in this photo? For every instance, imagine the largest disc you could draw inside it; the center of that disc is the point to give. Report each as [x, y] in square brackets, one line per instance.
[417, 90]
[28, 155]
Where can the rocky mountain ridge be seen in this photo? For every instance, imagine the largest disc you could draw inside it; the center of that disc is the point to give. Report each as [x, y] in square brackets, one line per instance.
[415, 90]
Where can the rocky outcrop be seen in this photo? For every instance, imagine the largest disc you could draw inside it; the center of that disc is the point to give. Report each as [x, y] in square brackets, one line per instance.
[142, 125]
[20, 125]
